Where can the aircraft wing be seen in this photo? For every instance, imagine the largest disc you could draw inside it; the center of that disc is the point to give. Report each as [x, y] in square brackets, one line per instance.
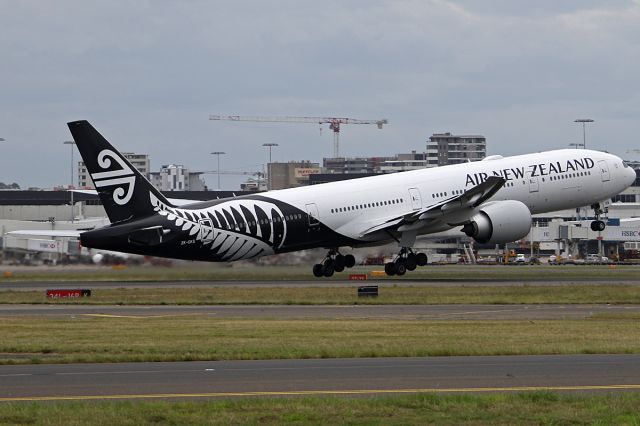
[453, 208]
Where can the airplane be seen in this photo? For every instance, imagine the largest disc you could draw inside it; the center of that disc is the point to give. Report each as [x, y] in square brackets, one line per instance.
[490, 200]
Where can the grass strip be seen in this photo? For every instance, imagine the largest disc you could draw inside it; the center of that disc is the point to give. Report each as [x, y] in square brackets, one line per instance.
[523, 294]
[244, 271]
[187, 338]
[419, 409]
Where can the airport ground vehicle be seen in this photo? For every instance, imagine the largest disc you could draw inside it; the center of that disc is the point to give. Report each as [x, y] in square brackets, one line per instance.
[596, 258]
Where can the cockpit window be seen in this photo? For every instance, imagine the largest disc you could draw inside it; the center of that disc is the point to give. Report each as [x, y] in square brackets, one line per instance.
[624, 163]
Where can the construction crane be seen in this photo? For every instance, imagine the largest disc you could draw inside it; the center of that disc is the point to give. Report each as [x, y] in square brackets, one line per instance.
[333, 122]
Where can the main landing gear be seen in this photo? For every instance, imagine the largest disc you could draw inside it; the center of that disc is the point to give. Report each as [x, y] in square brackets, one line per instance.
[334, 262]
[598, 224]
[407, 260]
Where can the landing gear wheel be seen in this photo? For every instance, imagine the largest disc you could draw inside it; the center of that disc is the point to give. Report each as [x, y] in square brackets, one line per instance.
[598, 224]
[349, 261]
[390, 268]
[327, 269]
[333, 262]
[339, 263]
[411, 262]
[406, 260]
[318, 270]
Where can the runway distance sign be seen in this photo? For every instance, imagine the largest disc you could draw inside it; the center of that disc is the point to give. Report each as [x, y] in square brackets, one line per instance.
[68, 293]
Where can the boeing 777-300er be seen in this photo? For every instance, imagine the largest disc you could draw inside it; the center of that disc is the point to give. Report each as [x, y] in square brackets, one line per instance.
[491, 201]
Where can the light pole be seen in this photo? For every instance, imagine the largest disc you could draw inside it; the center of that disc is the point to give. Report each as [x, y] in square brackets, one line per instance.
[71, 144]
[218, 154]
[269, 145]
[584, 121]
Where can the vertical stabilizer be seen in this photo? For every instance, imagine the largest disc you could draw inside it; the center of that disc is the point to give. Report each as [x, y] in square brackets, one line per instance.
[124, 192]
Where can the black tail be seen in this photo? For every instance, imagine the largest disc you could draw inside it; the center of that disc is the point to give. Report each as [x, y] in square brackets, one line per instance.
[124, 192]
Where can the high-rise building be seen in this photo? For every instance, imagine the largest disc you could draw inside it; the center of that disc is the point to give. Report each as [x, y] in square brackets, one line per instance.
[456, 149]
[358, 165]
[291, 174]
[411, 161]
[176, 177]
[139, 161]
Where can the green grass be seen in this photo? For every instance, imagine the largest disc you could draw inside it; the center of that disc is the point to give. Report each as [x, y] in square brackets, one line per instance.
[197, 337]
[419, 409]
[243, 271]
[579, 294]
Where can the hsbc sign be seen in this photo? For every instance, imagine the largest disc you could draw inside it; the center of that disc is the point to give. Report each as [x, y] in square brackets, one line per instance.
[622, 233]
[632, 233]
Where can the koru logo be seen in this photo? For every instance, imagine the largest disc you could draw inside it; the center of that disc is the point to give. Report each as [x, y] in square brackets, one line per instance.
[123, 176]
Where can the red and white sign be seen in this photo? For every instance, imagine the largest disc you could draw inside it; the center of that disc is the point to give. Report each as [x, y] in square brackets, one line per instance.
[357, 277]
[50, 246]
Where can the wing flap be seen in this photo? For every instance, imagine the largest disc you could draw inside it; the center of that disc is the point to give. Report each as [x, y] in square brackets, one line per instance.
[416, 219]
[469, 199]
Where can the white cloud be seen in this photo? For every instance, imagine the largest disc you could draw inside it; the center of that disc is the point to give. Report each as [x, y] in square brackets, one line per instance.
[150, 72]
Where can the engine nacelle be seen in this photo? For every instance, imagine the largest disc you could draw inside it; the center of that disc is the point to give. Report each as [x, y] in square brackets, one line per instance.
[500, 222]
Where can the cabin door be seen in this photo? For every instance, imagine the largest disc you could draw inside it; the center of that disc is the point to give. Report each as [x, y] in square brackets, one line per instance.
[416, 199]
[314, 216]
[604, 171]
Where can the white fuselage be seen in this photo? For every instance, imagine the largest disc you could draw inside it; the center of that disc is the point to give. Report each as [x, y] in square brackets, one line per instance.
[545, 182]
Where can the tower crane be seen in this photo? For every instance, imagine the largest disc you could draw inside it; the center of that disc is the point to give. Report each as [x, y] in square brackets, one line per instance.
[333, 122]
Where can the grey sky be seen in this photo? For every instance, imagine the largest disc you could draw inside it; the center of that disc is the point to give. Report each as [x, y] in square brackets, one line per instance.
[147, 74]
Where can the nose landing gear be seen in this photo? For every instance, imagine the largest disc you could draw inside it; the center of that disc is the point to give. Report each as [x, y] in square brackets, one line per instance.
[598, 224]
[333, 262]
[407, 260]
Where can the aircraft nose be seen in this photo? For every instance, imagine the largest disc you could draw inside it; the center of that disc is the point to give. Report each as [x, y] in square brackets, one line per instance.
[631, 175]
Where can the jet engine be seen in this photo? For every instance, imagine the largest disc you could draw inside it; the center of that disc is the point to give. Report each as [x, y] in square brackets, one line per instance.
[500, 222]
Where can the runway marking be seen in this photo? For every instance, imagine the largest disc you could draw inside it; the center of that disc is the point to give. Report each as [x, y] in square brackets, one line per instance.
[133, 316]
[323, 392]
[117, 316]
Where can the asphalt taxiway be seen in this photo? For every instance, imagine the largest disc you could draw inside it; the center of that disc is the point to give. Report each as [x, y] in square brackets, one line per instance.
[507, 282]
[365, 376]
[350, 377]
[397, 312]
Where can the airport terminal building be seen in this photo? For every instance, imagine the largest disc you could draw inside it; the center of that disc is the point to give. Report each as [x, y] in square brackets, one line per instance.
[563, 232]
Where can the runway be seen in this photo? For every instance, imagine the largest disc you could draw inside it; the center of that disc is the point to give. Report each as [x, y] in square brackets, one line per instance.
[367, 376]
[507, 282]
[347, 377]
[389, 312]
